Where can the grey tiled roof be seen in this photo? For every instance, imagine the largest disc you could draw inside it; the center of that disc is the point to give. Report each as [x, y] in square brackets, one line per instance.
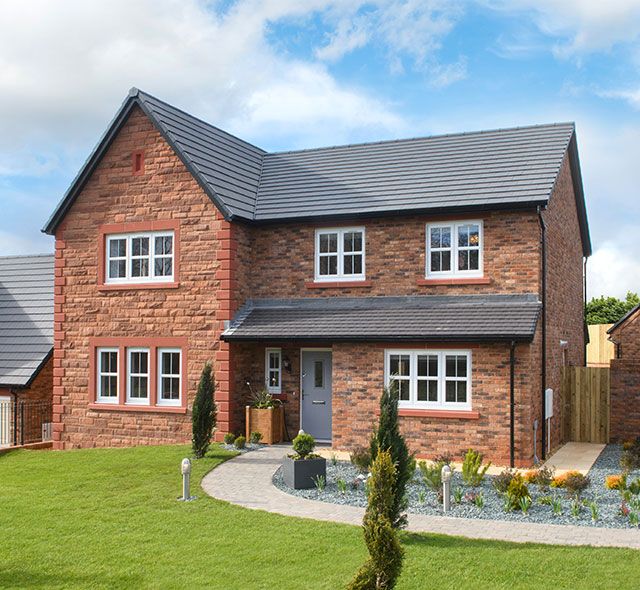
[505, 168]
[423, 318]
[26, 316]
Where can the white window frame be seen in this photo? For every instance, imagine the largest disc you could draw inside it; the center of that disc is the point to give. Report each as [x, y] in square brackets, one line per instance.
[454, 272]
[341, 276]
[136, 400]
[441, 404]
[159, 400]
[267, 369]
[152, 277]
[100, 373]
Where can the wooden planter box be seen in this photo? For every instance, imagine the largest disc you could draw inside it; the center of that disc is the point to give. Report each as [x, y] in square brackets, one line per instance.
[269, 422]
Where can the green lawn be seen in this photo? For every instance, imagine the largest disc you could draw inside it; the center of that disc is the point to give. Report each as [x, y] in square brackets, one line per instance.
[109, 519]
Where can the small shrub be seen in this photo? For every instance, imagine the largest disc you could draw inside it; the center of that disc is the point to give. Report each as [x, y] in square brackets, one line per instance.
[576, 508]
[263, 400]
[616, 482]
[530, 476]
[593, 506]
[320, 482]
[422, 497]
[508, 503]
[240, 442]
[361, 459]
[457, 495]
[334, 459]
[626, 495]
[470, 497]
[203, 413]
[229, 438]
[576, 483]
[356, 482]
[544, 477]
[556, 507]
[473, 471]
[341, 484]
[559, 480]
[501, 482]
[432, 475]
[634, 487]
[624, 510]
[255, 438]
[303, 445]
[545, 500]
[479, 500]
[517, 489]
[524, 504]
[633, 519]
[630, 458]
[635, 503]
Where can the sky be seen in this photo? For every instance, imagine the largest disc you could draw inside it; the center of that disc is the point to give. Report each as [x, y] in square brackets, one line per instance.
[287, 74]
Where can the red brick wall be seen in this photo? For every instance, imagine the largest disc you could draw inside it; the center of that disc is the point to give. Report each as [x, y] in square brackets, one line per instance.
[565, 297]
[195, 309]
[625, 381]
[283, 257]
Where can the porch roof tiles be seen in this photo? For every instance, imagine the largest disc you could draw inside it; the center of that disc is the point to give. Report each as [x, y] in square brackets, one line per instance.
[418, 318]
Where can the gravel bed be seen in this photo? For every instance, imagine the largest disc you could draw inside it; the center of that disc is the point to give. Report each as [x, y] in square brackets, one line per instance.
[424, 501]
[248, 447]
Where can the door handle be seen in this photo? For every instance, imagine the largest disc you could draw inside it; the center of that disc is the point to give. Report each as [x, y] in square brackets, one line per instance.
[318, 402]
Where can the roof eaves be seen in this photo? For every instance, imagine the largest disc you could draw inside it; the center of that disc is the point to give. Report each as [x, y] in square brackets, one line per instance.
[39, 368]
[623, 319]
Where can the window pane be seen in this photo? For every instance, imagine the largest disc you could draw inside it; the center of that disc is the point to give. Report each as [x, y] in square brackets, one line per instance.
[461, 388]
[348, 265]
[117, 248]
[450, 366]
[170, 388]
[445, 237]
[139, 387]
[463, 260]
[318, 374]
[274, 360]
[445, 261]
[435, 237]
[474, 260]
[474, 235]
[117, 269]
[436, 266]
[333, 265]
[324, 265]
[399, 364]
[328, 243]
[403, 388]
[463, 235]
[461, 366]
[433, 365]
[164, 245]
[433, 391]
[427, 365]
[140, 267]
[357, 241]
[140, 246]
[274, 378]
[450, 390]
[423, 391]
[357, 264]
[347, 241]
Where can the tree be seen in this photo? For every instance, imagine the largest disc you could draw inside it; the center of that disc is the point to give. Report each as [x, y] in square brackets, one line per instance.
[382, 569]
[387, 437]
[203, 418]
[608, 310]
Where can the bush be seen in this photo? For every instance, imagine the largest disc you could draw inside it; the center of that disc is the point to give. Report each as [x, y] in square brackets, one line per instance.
[473, 471]
[501, 482]
[240, 442]
[303, 445]
[387, 437]
[616, 482]
[544, 477]
[575, 483]
[229, 438]
[432, 474]
[516, 491]
[255, 438]
[559, 480]
[361, 459]
[383, 567]
[634, 487]
[203, 415]
[630, 458]
[530, 476]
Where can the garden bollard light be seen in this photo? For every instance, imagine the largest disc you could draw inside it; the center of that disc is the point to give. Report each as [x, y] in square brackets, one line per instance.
[446, 488]
[186, 481]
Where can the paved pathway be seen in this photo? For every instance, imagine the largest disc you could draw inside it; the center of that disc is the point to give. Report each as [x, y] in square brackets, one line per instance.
[575, 455]
[246, 481]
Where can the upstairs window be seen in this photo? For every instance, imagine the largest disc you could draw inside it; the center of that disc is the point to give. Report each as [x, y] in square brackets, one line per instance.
[139, 258]
[454, 249]
[340, 254]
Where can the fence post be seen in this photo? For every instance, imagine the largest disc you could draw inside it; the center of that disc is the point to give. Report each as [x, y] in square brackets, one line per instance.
[21, 423]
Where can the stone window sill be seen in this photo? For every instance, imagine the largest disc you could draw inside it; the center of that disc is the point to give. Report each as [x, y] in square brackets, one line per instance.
[459, 281]
[132, 408]
[137, 286]
[337, 284]
[448, 414]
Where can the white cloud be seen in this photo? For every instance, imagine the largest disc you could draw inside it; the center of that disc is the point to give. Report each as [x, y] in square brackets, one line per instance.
[632, 97]
[613, 270]
[65, 66]
[584, 25]
[409, 30]
[12, 244]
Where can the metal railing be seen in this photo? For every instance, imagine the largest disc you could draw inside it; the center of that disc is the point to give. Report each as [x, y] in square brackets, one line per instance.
[25, 422]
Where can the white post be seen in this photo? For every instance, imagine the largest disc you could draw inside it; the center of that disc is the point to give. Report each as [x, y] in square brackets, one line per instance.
[185, 468]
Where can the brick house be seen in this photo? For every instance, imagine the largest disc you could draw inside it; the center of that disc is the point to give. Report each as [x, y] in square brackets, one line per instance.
[625, 377]
[26, 348]
[451, 264]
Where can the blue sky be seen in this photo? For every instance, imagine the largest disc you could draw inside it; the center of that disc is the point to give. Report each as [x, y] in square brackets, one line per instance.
[290, 74]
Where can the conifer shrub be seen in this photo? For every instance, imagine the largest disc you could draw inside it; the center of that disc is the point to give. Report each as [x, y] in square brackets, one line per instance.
[473, 471]
[203, 416]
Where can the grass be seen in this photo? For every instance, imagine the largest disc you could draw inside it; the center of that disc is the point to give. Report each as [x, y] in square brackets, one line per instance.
[109, 518]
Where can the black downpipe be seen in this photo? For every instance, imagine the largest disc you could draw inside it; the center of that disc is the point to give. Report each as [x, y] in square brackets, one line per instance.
[512, 405]
[543, 373]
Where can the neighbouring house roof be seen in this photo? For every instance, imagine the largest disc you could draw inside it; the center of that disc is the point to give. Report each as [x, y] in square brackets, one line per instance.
[423, 318]
[623, 320]
[26, 317]
[500, 169]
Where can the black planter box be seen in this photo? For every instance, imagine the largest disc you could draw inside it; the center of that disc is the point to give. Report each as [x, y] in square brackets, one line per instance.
[300, 474]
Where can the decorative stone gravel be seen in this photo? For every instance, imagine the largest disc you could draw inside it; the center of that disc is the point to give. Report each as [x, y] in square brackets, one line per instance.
[424, 501]
[248, 447]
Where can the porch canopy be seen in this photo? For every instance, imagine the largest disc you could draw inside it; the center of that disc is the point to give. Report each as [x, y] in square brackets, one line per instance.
[419, 318]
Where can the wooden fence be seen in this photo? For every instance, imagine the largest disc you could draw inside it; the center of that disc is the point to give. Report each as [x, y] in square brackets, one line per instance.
[600, 350]
[586, 397]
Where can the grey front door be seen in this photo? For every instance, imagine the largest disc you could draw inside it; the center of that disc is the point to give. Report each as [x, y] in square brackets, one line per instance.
[316, 393]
